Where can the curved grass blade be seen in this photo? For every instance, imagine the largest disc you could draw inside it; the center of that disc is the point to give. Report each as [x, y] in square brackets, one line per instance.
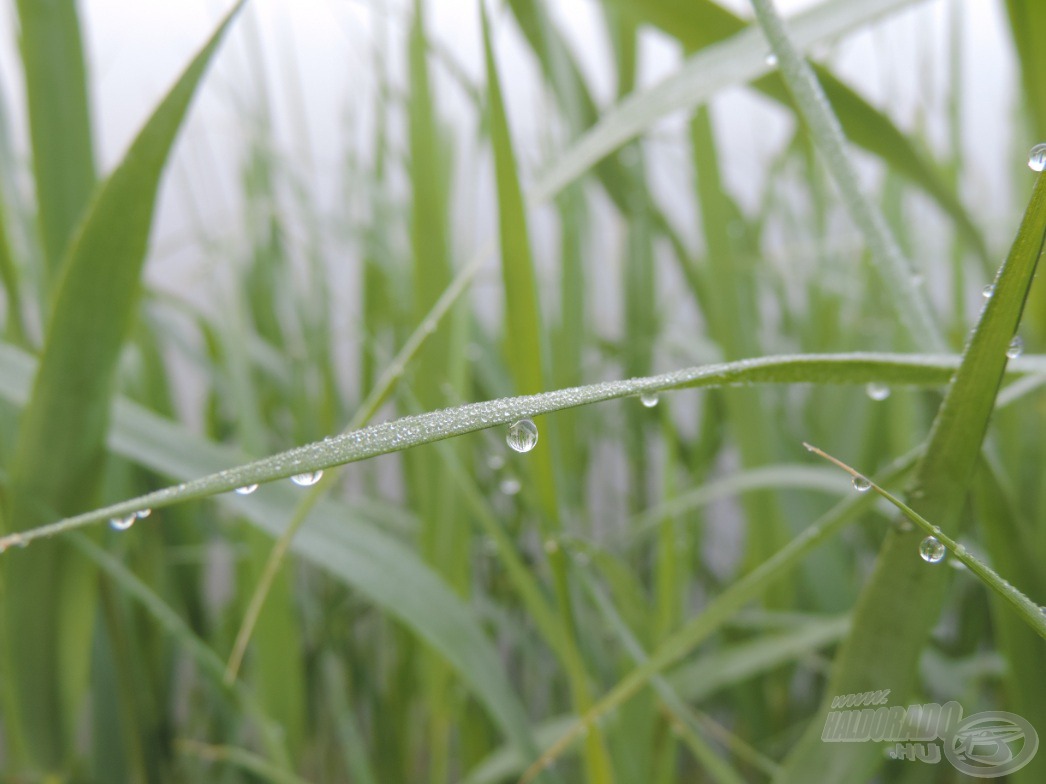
[903, 597]
[1028, 610]
[49, 601]
[410, 431]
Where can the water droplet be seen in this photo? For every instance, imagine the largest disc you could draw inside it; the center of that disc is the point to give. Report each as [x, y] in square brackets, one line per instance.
[522, 435]
[307, 479]
[988, 290]
[861, 485]
[246, 489]
[931, 550]
[122, 523]
[771, 60]
[648, 399]
[495, 462]
[551, 546]
[1016, 347]
[510, 485]
[141, 514]
[877, 391]
[1037, 158]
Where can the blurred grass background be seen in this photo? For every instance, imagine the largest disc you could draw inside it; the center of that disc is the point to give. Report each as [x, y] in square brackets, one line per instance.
[448, 609]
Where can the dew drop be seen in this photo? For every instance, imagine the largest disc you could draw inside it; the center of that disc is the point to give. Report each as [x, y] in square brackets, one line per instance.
[877, 391]
[1037, 158]
[122, 523]
[861, 485]
[648, 399]
[1016, 347]
[522, 435]
[510, 485]
[988, 290]
[141, 514]
[771, 60]
[246, 489]
[495, 462]
[931, 550]
[307, 479]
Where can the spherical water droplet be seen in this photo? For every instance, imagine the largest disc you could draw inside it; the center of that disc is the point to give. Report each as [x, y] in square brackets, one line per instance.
[1016, 347]
[771, 60]
[141, 514]
[861, 485]
[122, 523]
[510, 485]
[1037, 158]
[648, 399]
[307, 479]
[877, 391]
[246, 489]
[987, 291]
[495, 462]
[931, 550]
[522, 435]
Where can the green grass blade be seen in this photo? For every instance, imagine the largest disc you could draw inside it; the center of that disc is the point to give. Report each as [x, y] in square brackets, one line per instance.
[60, 446]
[59, 123]
[411, 431]
[1029, 611]
[898, 606]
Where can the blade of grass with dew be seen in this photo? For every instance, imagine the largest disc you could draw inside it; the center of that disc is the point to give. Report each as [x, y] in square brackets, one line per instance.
[49, 606]
[903, 597]
[410, 431]
[721, 608]
[59, 125]
[1030, 612]
[703, 23]
[524, 349]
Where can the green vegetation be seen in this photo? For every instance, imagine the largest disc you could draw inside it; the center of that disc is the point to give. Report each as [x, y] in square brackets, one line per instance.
[668, 587]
